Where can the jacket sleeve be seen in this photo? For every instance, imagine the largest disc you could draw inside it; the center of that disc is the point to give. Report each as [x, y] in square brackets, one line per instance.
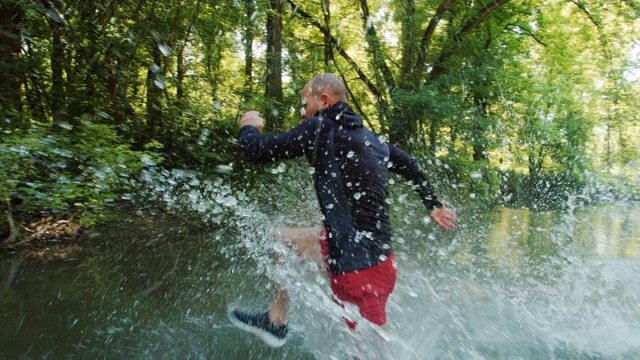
[409, 168]
[271, 148]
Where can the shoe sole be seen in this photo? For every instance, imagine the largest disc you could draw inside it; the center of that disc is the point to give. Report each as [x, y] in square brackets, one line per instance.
[264, 335]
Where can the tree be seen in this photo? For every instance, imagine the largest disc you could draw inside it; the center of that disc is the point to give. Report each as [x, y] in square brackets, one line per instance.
[273, 86]
[11, 72]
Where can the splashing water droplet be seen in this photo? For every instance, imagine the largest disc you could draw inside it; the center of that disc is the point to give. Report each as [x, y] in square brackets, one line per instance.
[357, 195]
[66, 125]
[351, 154]
[476, 174]
[145, 159]
[224, 169]
[280, 169]
[164, 49]
[159, 83]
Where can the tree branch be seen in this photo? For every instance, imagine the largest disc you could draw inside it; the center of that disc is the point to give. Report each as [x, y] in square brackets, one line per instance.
[296, 8]
[374, 46]
[466, 29]
[526, 31]
[438, 69]
[584, 9]
[54, 13]
[13, 230]
[428, 36]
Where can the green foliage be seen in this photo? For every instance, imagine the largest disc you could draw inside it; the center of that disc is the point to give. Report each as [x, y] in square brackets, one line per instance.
[535, 88]
[75, 173]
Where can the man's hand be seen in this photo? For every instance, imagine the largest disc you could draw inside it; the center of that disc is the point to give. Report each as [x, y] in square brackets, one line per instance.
[252, 118]
[443, 217]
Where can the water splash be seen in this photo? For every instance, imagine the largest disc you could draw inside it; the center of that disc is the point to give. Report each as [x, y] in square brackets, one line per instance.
[508, 284]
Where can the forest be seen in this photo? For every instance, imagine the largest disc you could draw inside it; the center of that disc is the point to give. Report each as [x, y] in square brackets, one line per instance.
[510, 102]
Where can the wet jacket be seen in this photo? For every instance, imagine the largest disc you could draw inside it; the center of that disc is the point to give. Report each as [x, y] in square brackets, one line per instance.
[352, 166]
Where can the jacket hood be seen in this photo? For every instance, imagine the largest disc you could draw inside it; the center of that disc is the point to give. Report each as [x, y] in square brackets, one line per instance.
[343, 114]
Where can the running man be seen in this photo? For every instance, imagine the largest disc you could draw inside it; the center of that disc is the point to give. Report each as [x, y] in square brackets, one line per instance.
[352, 167]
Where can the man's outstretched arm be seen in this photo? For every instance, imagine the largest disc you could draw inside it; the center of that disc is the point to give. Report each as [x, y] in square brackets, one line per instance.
[266, 149]
[410, 169]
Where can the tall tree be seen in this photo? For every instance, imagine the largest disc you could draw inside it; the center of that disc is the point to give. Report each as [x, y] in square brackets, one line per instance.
[273, 86]
[328, 48]
[181, 69]
[11, 72]
[248, 49]
[58, 62]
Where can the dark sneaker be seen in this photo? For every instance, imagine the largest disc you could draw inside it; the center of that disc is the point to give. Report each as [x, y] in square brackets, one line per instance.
[272, 334]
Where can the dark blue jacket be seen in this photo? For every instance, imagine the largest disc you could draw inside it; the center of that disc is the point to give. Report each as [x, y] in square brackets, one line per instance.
[351, 174]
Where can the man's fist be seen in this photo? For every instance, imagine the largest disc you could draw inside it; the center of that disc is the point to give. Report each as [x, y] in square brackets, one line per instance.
[252, 118]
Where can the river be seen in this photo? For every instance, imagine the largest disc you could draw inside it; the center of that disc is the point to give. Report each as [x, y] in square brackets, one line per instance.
[506, 284]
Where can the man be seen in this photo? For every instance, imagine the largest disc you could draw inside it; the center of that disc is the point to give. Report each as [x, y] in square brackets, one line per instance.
[352, 166]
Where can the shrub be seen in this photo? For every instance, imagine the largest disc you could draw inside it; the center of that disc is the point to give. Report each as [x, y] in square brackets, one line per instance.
[77, 171]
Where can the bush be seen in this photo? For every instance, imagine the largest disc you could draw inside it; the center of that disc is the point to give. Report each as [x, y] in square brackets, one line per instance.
[77, 171]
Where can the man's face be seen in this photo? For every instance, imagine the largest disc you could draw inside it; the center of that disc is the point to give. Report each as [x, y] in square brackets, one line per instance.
[310, 103]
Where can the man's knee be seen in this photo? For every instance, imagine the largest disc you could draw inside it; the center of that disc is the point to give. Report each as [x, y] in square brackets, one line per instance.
[304, 241]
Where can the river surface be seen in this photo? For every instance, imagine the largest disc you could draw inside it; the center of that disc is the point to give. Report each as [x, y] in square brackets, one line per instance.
[507, 284]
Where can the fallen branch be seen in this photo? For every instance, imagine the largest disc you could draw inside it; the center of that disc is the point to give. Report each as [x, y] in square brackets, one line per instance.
[13, 233]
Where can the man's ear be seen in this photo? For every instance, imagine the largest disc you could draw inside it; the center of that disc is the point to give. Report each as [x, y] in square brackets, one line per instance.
[326, 98]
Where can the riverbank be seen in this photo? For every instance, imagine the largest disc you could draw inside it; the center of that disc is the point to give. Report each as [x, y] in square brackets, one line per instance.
[47, 238]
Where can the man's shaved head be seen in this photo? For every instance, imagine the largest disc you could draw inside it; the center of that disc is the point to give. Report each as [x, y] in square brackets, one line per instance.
[330, 84]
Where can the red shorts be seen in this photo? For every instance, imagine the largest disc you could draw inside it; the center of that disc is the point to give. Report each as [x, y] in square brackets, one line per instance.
[368, 289]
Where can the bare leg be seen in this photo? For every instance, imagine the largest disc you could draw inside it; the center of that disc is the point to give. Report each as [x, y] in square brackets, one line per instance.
[306, 243]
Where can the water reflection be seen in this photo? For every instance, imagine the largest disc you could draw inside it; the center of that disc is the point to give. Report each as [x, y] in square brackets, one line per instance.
[610, 231]
[521, 236]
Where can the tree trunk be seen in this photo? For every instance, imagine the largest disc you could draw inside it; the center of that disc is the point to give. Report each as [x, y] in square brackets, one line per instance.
[382, 71]
[409, 35]
[403, 122]
[433, 134]
[58, 94]
[248, 50]
[328, 49]
[122, 72]
[10, 67]
[273, 89]
[180, 58]
[479, 136]
[155, 86]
